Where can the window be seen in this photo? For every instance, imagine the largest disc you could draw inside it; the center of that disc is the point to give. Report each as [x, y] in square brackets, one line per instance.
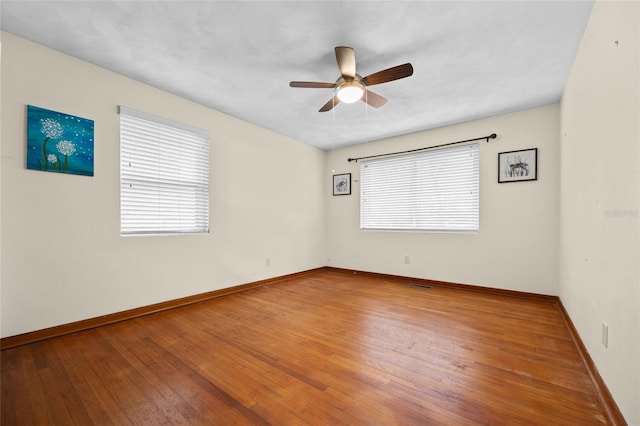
[436, 190]
[164, 176]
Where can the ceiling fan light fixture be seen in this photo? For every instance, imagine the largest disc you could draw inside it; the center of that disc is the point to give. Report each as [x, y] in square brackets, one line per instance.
[350, 92]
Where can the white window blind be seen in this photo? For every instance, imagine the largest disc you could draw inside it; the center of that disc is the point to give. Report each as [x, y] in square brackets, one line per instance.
[164, 176]
[435, 190]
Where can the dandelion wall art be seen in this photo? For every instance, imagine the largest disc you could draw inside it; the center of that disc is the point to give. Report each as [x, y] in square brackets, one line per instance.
[58, 142]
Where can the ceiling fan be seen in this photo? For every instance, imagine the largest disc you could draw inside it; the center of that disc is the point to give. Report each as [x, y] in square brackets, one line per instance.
[351, 87]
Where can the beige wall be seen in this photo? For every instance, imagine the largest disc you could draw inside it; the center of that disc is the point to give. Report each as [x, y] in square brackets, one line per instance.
[63, 259]
[516, 247]
[600, 193]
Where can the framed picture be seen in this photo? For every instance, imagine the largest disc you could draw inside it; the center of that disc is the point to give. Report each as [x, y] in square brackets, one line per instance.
[59, 142]
[342, 184]
[518, 166]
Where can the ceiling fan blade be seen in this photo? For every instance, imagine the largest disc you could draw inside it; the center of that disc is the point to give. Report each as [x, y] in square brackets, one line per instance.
[329, 105]
[373, 99]
[390, 74]
[346, 58]
[312, 84]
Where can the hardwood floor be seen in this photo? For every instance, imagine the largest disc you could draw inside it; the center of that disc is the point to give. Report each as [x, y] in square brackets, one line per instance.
[326, 349]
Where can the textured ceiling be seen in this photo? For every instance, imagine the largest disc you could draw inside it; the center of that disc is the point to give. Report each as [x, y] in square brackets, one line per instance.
[470, 59]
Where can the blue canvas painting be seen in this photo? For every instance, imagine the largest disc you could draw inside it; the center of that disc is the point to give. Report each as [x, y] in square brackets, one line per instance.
[58, 142]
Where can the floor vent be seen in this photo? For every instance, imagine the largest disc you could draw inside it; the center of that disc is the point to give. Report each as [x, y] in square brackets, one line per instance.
[422, 286]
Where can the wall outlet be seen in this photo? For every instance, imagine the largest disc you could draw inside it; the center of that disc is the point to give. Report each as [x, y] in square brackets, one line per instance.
[267, 261]
[407, 260]
[605, 335]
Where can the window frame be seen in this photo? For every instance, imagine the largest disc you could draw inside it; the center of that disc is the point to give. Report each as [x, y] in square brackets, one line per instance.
[402, 211]
[172, 175]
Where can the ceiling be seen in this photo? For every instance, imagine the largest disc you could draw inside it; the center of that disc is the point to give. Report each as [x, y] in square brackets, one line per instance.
[470, 59]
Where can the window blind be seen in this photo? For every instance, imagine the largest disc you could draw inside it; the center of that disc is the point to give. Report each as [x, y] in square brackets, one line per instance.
[435, 190]
[164, 176]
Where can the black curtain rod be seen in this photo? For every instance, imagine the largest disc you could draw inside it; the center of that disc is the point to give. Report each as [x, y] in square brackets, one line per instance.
[491, 136]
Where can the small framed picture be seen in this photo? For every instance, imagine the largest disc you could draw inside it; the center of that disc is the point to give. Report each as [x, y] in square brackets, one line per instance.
[342, 184]
[518, 166]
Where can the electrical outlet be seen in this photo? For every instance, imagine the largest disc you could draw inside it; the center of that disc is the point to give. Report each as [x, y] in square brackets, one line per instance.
[605, 335]
[407, 260]
[267, 261]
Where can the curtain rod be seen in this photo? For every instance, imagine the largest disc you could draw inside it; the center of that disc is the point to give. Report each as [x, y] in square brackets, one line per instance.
[491, 136]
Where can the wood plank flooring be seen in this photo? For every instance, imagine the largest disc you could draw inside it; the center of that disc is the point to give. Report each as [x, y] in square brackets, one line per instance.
[326, 349]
